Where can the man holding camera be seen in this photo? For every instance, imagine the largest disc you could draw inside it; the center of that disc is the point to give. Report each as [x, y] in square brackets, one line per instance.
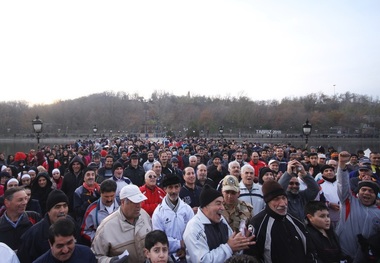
[297, 198]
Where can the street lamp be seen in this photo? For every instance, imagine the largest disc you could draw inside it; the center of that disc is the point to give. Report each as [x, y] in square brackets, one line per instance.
[37, 126]
[221, 130]
[306, 129]
[95, 129]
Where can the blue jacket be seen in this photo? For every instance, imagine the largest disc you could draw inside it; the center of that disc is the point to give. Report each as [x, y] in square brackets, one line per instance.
[81, 254]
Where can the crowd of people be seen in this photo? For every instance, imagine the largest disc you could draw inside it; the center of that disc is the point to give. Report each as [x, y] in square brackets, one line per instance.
[190, 200]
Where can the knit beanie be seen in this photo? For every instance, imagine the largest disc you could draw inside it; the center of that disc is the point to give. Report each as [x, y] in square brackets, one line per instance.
[208, 195]
[371, 184]
[56, 196]
[272, 189]
[263, 171]
[170, 179]
[117, 165]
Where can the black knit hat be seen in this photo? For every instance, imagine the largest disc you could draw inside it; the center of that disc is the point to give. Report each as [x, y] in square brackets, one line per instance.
[371, 184]
[272, 189]
[116, 165]
[170, 179]
[263, 171]
[326, 166]
[56, 196]
[208, 195]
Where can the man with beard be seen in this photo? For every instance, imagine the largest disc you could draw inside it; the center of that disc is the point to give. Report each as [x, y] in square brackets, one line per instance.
[172, 216]
[72, 180]
[208, 237]
[34, 242]
[298, 199]
[359, 215]
[148, 165]
[280, 237]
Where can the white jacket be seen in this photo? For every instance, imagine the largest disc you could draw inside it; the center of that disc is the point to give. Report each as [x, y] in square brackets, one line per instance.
[172, 223]
[197, 249]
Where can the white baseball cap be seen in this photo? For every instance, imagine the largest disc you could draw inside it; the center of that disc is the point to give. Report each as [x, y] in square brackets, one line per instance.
[133, 193]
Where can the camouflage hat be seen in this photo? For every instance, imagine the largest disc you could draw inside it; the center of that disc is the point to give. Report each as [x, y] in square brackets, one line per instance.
[230, 183]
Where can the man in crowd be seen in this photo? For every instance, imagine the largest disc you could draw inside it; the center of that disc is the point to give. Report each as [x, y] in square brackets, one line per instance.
[34, 242]
[16, 221]
[121, 235]
[202, 178]
[298, 198]
[148, 165]
[134, 171]
[72, 180]
[359, 215]
[208, 237]
[190, 192]
[250, 192]
[153, 193]
[172, 216]
[105, 172]
[280, 237]
[256, 163]
[236, 212]
[63, 247]
[99, 210]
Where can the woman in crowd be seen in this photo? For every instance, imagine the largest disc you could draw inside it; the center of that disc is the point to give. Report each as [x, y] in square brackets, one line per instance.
[41, 189]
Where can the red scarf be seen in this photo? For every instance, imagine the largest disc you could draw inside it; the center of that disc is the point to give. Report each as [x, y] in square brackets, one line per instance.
[92, 189]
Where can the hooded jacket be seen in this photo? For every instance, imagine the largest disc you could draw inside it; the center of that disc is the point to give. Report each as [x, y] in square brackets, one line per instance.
[72, 181]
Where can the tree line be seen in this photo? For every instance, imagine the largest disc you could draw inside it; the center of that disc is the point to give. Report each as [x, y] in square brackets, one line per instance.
[164, 112]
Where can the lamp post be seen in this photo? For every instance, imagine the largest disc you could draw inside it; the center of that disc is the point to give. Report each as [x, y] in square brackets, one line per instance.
[37, 126]
[306, 129]
[95, 130]
[221, 130]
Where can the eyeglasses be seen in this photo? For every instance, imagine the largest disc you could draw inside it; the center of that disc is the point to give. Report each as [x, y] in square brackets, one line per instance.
[152, 176]
[294, 183]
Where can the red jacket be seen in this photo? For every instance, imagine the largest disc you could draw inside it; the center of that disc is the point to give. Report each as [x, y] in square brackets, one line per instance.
[154, 196]
[260, 164]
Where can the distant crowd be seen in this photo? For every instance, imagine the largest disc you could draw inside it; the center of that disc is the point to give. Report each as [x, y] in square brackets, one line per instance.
[189, 200]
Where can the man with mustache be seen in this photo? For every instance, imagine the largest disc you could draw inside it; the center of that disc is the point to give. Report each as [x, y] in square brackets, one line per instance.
[208, 237]
[63, 247]
[121, 236]
[280, 237]
[99, 210]
[34, 242]
[172, 216]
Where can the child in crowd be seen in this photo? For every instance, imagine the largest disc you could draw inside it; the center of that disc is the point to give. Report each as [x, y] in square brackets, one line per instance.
[323, 237]
[157, 247]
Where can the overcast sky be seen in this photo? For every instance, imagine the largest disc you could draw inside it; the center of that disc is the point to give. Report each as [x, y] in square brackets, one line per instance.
[263, 49]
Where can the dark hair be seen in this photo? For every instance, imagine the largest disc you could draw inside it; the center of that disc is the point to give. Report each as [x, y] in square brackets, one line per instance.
[313, 206]
[154, 237]
[8, 194]
[312, 154]
[64, 227]
[241, 259]
[108, 186]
